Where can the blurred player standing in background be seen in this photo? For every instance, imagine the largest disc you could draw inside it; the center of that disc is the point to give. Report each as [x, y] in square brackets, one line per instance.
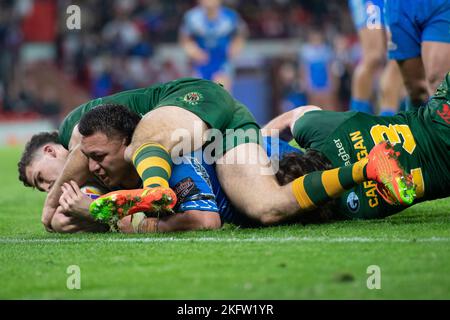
[369, 21]
[419, 40]
[212, 35]
[316, 58]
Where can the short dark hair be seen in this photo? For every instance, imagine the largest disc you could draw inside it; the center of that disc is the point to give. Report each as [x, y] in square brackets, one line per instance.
[294, 165]
[111, 120]
[38, 140]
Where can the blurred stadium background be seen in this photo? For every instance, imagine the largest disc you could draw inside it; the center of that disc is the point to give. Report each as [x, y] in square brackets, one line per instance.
[46, 69]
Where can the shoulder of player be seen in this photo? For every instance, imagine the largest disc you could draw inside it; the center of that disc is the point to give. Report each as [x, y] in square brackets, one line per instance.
[306, 116]
[231, 13]
[130, 93]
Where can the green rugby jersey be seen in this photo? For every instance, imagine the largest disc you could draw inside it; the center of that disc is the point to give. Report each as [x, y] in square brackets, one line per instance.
[140, 101]
[208, 100]
[346, 137]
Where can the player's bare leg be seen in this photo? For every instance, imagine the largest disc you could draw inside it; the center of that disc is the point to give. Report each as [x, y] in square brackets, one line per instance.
[413, 74]
[243, 175]
[260, 197]
[156, 135]
[373, 57]
[391, 88]
[435, 57]
[159, 125]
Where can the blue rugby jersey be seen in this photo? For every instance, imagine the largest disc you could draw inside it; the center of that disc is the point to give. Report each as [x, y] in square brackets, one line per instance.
[197, 187]
[213, 36]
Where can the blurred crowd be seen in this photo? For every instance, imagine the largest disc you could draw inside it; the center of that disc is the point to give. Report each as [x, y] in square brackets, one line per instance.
[114, 50]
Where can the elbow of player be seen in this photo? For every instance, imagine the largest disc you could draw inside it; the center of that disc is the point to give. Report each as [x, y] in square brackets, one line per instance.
[209, 221]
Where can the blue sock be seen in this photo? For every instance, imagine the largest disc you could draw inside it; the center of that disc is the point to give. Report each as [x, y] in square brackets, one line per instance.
[403, 105]
[361, 106]
[385, 112]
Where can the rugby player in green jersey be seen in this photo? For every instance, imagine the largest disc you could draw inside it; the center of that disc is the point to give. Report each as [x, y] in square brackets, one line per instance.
[341, 138]
[186, 112]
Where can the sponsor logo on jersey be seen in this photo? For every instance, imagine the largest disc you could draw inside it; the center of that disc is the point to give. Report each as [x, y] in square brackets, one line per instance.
[445, 113]
[341, 152]
[353, 203]
[193, 98]
[185, 188]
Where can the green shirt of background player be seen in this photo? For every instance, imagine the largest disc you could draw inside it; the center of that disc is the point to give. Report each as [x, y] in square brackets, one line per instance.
[422, 137]
[179, 113]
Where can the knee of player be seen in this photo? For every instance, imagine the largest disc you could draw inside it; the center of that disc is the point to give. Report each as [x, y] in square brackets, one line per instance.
[417, 89]
[211, 221]
[264, 213]
[434, 79]
[270, 219]
[129, 152]
[374, 60]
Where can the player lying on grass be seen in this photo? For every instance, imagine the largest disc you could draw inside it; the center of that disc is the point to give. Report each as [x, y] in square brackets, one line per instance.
[200, 197]
[191, 107]
[341, 138]
[201, 204]
[194, 182]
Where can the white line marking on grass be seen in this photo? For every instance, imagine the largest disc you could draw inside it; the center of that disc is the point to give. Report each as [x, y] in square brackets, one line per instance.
[223, 240]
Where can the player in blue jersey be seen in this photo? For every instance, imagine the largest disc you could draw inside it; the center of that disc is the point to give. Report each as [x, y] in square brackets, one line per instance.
[419, 33]
[369, 21]
[212, 35]
[315, 65]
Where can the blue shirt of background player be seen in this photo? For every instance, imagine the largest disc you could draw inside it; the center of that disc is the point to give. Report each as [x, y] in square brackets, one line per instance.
[213, 36]
[197, 186]
[316, 60]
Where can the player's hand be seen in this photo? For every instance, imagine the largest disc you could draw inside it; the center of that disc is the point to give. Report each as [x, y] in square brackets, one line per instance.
[63, 223]
[199, 56]
[74, 202]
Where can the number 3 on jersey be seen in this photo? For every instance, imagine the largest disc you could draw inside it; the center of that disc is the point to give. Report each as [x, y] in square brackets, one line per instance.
[392, 134]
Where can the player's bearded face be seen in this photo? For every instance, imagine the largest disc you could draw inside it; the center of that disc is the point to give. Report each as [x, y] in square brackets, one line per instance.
[106, 158]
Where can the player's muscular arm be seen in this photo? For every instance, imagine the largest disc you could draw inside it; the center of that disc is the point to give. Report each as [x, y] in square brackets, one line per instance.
[76, 169]
[75, 138]
[192, 49]
[297, 113]
[236, 46]
[186, 221]
[287, 119]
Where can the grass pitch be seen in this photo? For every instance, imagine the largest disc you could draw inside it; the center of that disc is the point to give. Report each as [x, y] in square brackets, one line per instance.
[329, 261]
